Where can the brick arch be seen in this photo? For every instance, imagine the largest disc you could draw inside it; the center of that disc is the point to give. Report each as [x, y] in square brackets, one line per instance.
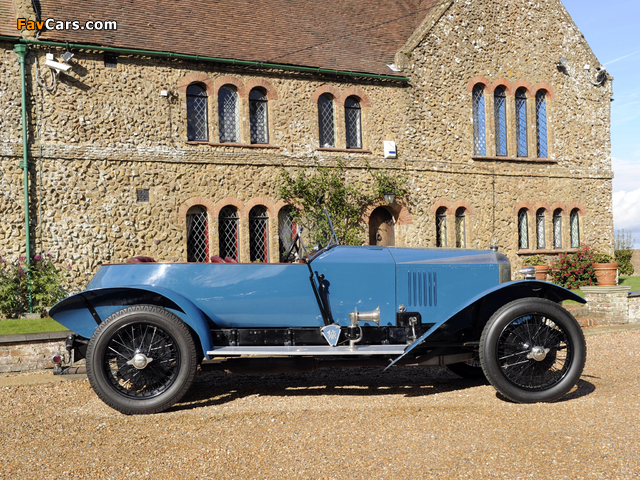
[544, 86]
[272, 94]
[441, 203]
[558, 205]
[581, 210]
[522, 205]
[502, 81]
[398, 211]
[265, 202]
[195, 78]
[229, 201]
[476, 80]
[464, 204]
[355, 92]
[525, 84]
[230, 80]
[335, 93]
[187, 204]
[540, 205]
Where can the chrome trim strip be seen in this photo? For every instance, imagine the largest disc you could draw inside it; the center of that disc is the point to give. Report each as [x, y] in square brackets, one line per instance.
[310, 350]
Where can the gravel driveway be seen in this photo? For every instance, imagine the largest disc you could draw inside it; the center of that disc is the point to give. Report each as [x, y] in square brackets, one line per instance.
[349, 423]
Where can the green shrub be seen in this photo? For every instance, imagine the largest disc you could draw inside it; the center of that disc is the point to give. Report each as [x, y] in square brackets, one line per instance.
[623, 257]
[574, 270]
[47, 285]
[602, 258]
[534, 261]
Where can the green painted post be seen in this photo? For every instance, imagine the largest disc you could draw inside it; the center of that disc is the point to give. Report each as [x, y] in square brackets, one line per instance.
[21, 50]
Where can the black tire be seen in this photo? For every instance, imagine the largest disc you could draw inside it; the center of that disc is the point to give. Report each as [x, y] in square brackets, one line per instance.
[164, 353]
[532, 350]
[471, 370]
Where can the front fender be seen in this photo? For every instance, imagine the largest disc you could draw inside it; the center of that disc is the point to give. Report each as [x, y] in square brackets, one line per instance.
[477, 311]
[81, 313]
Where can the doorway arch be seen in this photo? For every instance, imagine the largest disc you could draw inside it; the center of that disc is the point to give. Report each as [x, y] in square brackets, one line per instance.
[381, 228]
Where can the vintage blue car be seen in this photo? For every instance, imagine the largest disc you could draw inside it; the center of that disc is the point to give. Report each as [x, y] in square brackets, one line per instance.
[145, 328]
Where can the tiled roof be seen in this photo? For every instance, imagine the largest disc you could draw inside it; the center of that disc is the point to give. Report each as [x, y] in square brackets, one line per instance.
[355, 35]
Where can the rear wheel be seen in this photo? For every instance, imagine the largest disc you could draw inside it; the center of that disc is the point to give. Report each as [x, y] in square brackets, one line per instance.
[142, 359]
[532, 350]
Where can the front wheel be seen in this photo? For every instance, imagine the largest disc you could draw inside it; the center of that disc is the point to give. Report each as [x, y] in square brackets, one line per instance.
[532, 350]
[142, 359]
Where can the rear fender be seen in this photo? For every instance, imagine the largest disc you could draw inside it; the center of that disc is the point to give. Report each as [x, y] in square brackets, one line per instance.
[477, 311]
[83, 312]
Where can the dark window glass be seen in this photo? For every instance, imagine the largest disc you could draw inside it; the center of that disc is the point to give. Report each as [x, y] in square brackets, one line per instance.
[479, 133]
[197, 126]
[500, 113]
[228, 115]
[326, 121]
[441, 227]
[259, 234]
[461, 240]
[541, 123]
[228, 232]
[352, 120]
[540, 236]
[521, 121]
[574, 220]
[523, 229]
[258, 116]
[287, 229]
[197, 234]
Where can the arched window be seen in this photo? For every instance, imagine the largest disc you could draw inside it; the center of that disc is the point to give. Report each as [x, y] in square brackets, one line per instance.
[441, 227]
[228, 114]
[287, 229]
[574, 220]
[479, 133]
[540, 228]
[258, 116]
[500, 117]
[259, 234]
[228, 232]
[557, 228]
[326, 121]
[461, 234]
[521, 121]
[523, 229]
[197, 234]
[352, 121]
[541, 123]
[197, 125]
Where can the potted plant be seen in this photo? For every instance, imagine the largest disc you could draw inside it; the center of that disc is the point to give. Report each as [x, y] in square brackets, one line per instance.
[537, 261]
[606, 270]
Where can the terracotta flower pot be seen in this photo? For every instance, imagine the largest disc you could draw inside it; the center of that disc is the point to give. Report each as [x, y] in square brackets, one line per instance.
[541, 272]
[607, 274]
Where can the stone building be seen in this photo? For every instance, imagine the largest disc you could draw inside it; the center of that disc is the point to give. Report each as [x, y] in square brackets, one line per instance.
[167, 134]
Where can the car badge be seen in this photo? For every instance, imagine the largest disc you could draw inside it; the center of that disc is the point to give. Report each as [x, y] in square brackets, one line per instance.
[331, 333]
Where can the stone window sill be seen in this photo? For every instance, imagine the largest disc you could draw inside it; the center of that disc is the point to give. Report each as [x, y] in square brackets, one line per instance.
[546, 251]
[345, 150]
[234, 145]
[484, 158]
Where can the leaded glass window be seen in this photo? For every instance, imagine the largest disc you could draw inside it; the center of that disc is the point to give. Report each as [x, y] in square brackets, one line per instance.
[287, 229]
[461, 240]
[326, 121]
[197, 125]
[441, 227]
[500, 114]
[479, 132]
[197, 234]
[540, 228]
[557, 228]
[574, 220]
[353, 122]
[228, 232]
[541, 123]
[259, 234]
[521, 121]
[228, 115]
[523, 229]
[258, 116]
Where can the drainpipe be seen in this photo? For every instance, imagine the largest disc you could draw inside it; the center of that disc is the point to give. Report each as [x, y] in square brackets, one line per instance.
[21, 50]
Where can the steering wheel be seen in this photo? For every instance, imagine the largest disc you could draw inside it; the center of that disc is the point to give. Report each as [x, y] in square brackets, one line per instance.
[295, 244]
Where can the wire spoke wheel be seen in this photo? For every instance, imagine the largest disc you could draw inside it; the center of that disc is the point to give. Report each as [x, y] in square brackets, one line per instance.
[141, 360]
[532, 350]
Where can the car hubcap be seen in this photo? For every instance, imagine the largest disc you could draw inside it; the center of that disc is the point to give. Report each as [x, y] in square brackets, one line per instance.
[140, 361]
[538, 353]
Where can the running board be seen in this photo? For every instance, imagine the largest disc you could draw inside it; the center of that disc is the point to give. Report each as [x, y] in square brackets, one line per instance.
[308, 350]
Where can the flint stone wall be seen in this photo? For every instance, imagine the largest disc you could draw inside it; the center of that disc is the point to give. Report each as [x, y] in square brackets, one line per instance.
[104, 133]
